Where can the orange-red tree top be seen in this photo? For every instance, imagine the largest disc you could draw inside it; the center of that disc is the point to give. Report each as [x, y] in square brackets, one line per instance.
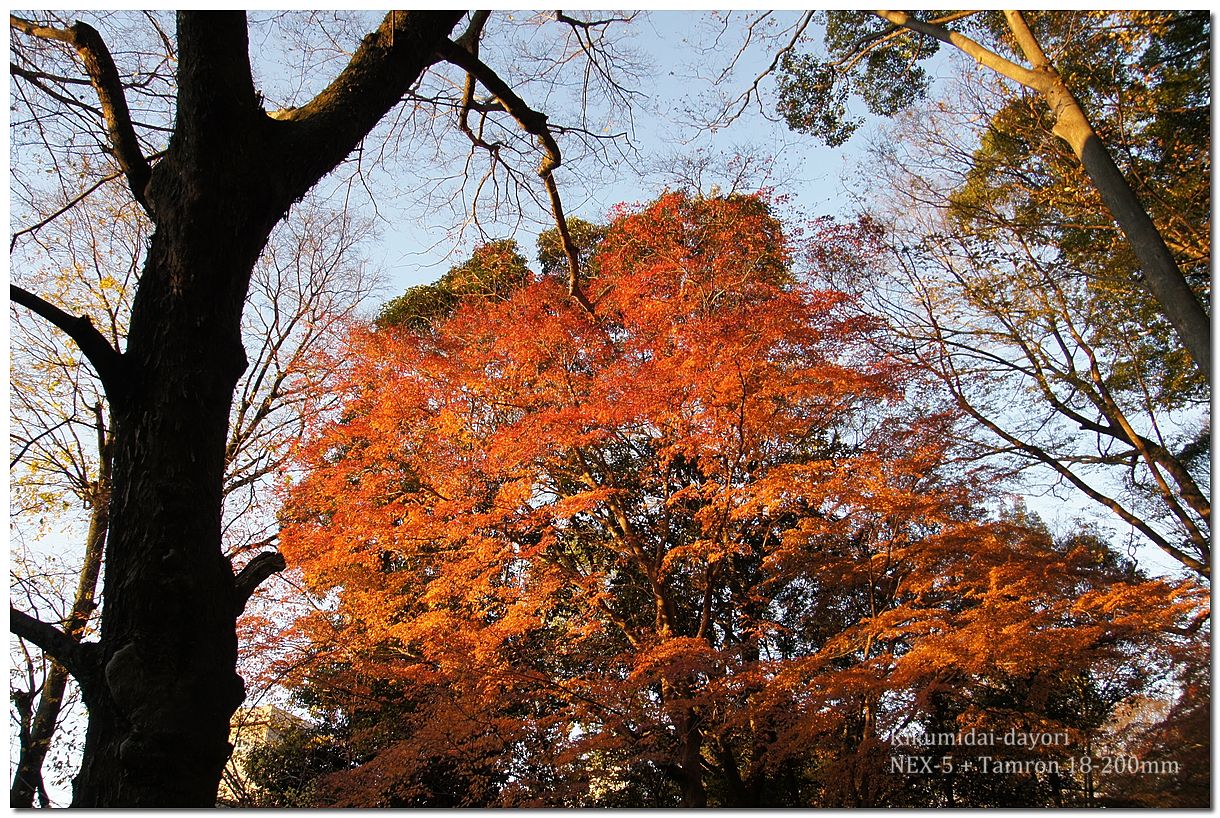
[705, 532]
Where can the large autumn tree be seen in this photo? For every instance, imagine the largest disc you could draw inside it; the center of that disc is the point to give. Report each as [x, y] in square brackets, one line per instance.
[703, 546]
[214, 171]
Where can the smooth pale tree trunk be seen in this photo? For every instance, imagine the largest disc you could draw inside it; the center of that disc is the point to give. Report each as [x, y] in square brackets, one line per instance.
[1161, 275]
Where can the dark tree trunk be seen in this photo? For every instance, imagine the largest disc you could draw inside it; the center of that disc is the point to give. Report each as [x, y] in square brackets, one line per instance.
[691, 763]
[163, 684]
[159, 722]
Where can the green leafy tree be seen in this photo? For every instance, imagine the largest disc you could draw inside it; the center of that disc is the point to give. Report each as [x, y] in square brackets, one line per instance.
[876, 56]
[585, 235]
[494, 271]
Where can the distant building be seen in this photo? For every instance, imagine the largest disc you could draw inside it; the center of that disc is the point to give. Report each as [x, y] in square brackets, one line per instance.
[251, 727]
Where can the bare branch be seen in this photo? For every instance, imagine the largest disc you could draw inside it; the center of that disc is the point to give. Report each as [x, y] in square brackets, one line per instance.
[28, 74]
[71, 204]
[38, 81]
[254, 574]
[951, 377]
[587, 24]
[728, 115]
[534, 123]
[106, 360]
[104, 76]
[38, 437]
[50, 639]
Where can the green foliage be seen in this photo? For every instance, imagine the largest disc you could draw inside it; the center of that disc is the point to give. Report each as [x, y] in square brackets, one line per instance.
[585, 235]
[284, 773]
[1030, 296]
[814, 92]
[813, 101]
[495, 270]
[418, 307]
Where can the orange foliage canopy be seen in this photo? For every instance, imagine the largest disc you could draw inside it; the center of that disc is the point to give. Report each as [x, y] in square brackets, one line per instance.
[705, 534]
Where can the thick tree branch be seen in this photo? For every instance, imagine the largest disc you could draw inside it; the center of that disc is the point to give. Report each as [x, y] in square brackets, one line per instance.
[470, 42]
[470, 37]
[588, 24]
[104, 76]
[215, 84]
[105, 359]
[388, 62]
[534, 123]
[1161, 274]
[51, 640]
[1027, 41]
[1036, 80]
[254, 574]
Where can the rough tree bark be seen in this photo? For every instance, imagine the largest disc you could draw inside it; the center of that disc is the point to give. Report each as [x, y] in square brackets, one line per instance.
[161, 684]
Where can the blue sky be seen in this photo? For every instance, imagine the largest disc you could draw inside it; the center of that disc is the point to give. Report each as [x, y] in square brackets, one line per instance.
[413, 251]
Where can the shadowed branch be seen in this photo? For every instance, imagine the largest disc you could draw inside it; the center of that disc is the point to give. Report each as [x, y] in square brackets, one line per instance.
[106, 360]
[534, 123]
[254, 574]
[104, 76]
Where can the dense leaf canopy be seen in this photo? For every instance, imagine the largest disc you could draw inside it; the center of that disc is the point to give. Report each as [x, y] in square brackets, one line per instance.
[700, 549]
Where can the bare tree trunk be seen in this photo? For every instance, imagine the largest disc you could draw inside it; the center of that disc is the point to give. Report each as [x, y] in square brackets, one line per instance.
[163, 684]
[690, 734]
[27, 778]
[159, 718]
